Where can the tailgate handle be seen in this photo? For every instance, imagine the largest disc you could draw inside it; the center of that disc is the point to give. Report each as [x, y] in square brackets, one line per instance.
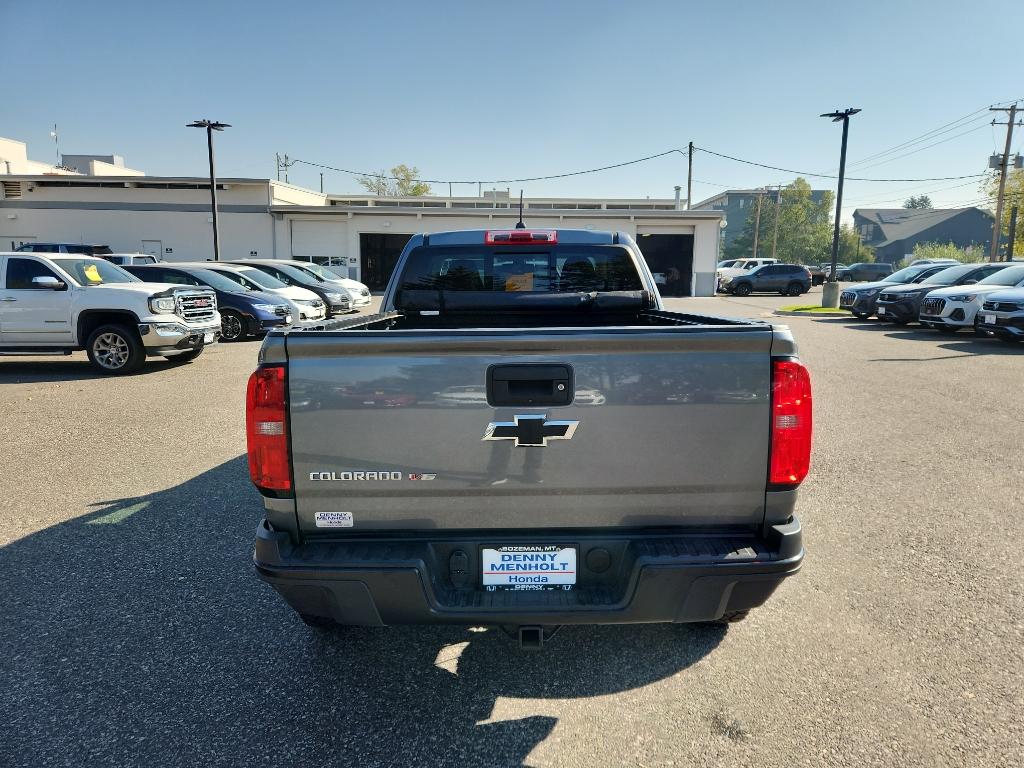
[529, 385]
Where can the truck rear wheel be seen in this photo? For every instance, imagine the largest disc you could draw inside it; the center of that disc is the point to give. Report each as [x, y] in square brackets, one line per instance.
[115, 349]
[794, 289]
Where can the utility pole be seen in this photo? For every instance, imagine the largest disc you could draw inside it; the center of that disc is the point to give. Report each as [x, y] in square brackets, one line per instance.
[211, 126]
[997, 226]
[283, 165]
[689, 176]
[56, 140]
[757, 222]
[321, 182]
[830, 291]
[1012, 234]
[277, 162]
[775, 231]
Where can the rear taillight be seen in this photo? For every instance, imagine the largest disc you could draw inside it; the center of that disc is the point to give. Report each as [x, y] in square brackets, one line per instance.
[266, 430]
[520, 236]
[791, 424]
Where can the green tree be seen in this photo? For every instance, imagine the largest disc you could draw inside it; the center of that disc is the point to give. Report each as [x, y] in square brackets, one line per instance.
[851, 249]
[920, 201]
[804, 232]
[402, 182]
[1013, 195]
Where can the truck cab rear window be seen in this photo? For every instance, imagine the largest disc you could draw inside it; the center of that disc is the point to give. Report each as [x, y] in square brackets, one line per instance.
[560, 269]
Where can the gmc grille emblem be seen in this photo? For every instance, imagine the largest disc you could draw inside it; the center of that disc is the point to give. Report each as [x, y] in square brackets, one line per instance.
[530, 430]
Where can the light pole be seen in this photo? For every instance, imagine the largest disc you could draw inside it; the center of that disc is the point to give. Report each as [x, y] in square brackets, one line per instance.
[210, 127]
[56, 140]
[830, 291]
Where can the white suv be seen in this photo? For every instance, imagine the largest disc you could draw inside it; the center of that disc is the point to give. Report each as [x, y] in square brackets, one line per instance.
[57, 303]
[950, 309]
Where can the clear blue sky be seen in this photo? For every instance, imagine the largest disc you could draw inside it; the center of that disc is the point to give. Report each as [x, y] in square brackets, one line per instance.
[472, 90]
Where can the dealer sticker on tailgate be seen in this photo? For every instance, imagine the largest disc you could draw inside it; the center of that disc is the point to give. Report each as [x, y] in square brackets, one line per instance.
[529, 568]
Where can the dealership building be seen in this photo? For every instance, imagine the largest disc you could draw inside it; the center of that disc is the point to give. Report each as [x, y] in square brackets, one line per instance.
[263, 218]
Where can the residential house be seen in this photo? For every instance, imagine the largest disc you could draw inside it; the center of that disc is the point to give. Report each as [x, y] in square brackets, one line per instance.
[893, 232]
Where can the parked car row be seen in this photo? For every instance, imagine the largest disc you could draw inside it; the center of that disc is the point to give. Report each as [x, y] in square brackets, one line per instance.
[986, 297]
[57, 303]
[255, 295]
[62, 302]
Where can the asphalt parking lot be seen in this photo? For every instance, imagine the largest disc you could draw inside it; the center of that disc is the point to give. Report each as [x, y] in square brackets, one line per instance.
[135, 633]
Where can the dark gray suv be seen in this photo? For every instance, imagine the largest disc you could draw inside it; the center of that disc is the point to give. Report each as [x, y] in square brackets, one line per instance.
[866, 271]
[787, 279]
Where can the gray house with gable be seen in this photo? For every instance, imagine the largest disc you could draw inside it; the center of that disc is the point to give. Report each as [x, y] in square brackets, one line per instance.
[893, 232]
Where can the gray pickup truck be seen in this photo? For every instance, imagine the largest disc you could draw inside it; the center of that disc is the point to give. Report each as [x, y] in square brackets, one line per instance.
[525, 437]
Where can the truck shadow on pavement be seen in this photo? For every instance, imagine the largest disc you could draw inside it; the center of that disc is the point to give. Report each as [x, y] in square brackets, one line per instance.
[138, 634]
[14, 371]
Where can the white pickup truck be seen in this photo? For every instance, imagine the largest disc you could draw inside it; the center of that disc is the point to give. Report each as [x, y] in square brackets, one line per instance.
[60, 303]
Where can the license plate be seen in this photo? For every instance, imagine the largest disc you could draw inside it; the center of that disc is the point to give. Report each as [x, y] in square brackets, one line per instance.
[207, 338]
[991, 319]
[881, 311]
[528, 568]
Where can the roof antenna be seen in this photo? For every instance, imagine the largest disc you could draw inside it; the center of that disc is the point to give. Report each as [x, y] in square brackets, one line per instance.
[520, 225]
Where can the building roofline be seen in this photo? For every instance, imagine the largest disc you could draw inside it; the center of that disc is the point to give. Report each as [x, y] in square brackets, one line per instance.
[504, 213]
[85, 179]
[919, 211]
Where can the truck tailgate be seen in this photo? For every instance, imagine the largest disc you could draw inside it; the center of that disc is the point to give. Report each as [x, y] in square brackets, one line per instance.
[667, 427]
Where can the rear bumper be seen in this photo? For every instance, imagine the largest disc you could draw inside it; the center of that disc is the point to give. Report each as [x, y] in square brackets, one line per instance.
[646, 577]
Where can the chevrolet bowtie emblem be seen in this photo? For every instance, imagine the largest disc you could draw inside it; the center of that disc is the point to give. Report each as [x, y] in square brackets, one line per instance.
[530, 430]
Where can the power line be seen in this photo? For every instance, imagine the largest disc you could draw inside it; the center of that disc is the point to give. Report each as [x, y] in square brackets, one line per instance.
[829, 176]
[942, 129]
[500, 181]
[926, 146]
[624, 164]
[948, 127]
[914, 190]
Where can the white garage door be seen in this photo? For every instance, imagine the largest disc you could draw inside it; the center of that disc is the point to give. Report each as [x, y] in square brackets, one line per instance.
[319, 240]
